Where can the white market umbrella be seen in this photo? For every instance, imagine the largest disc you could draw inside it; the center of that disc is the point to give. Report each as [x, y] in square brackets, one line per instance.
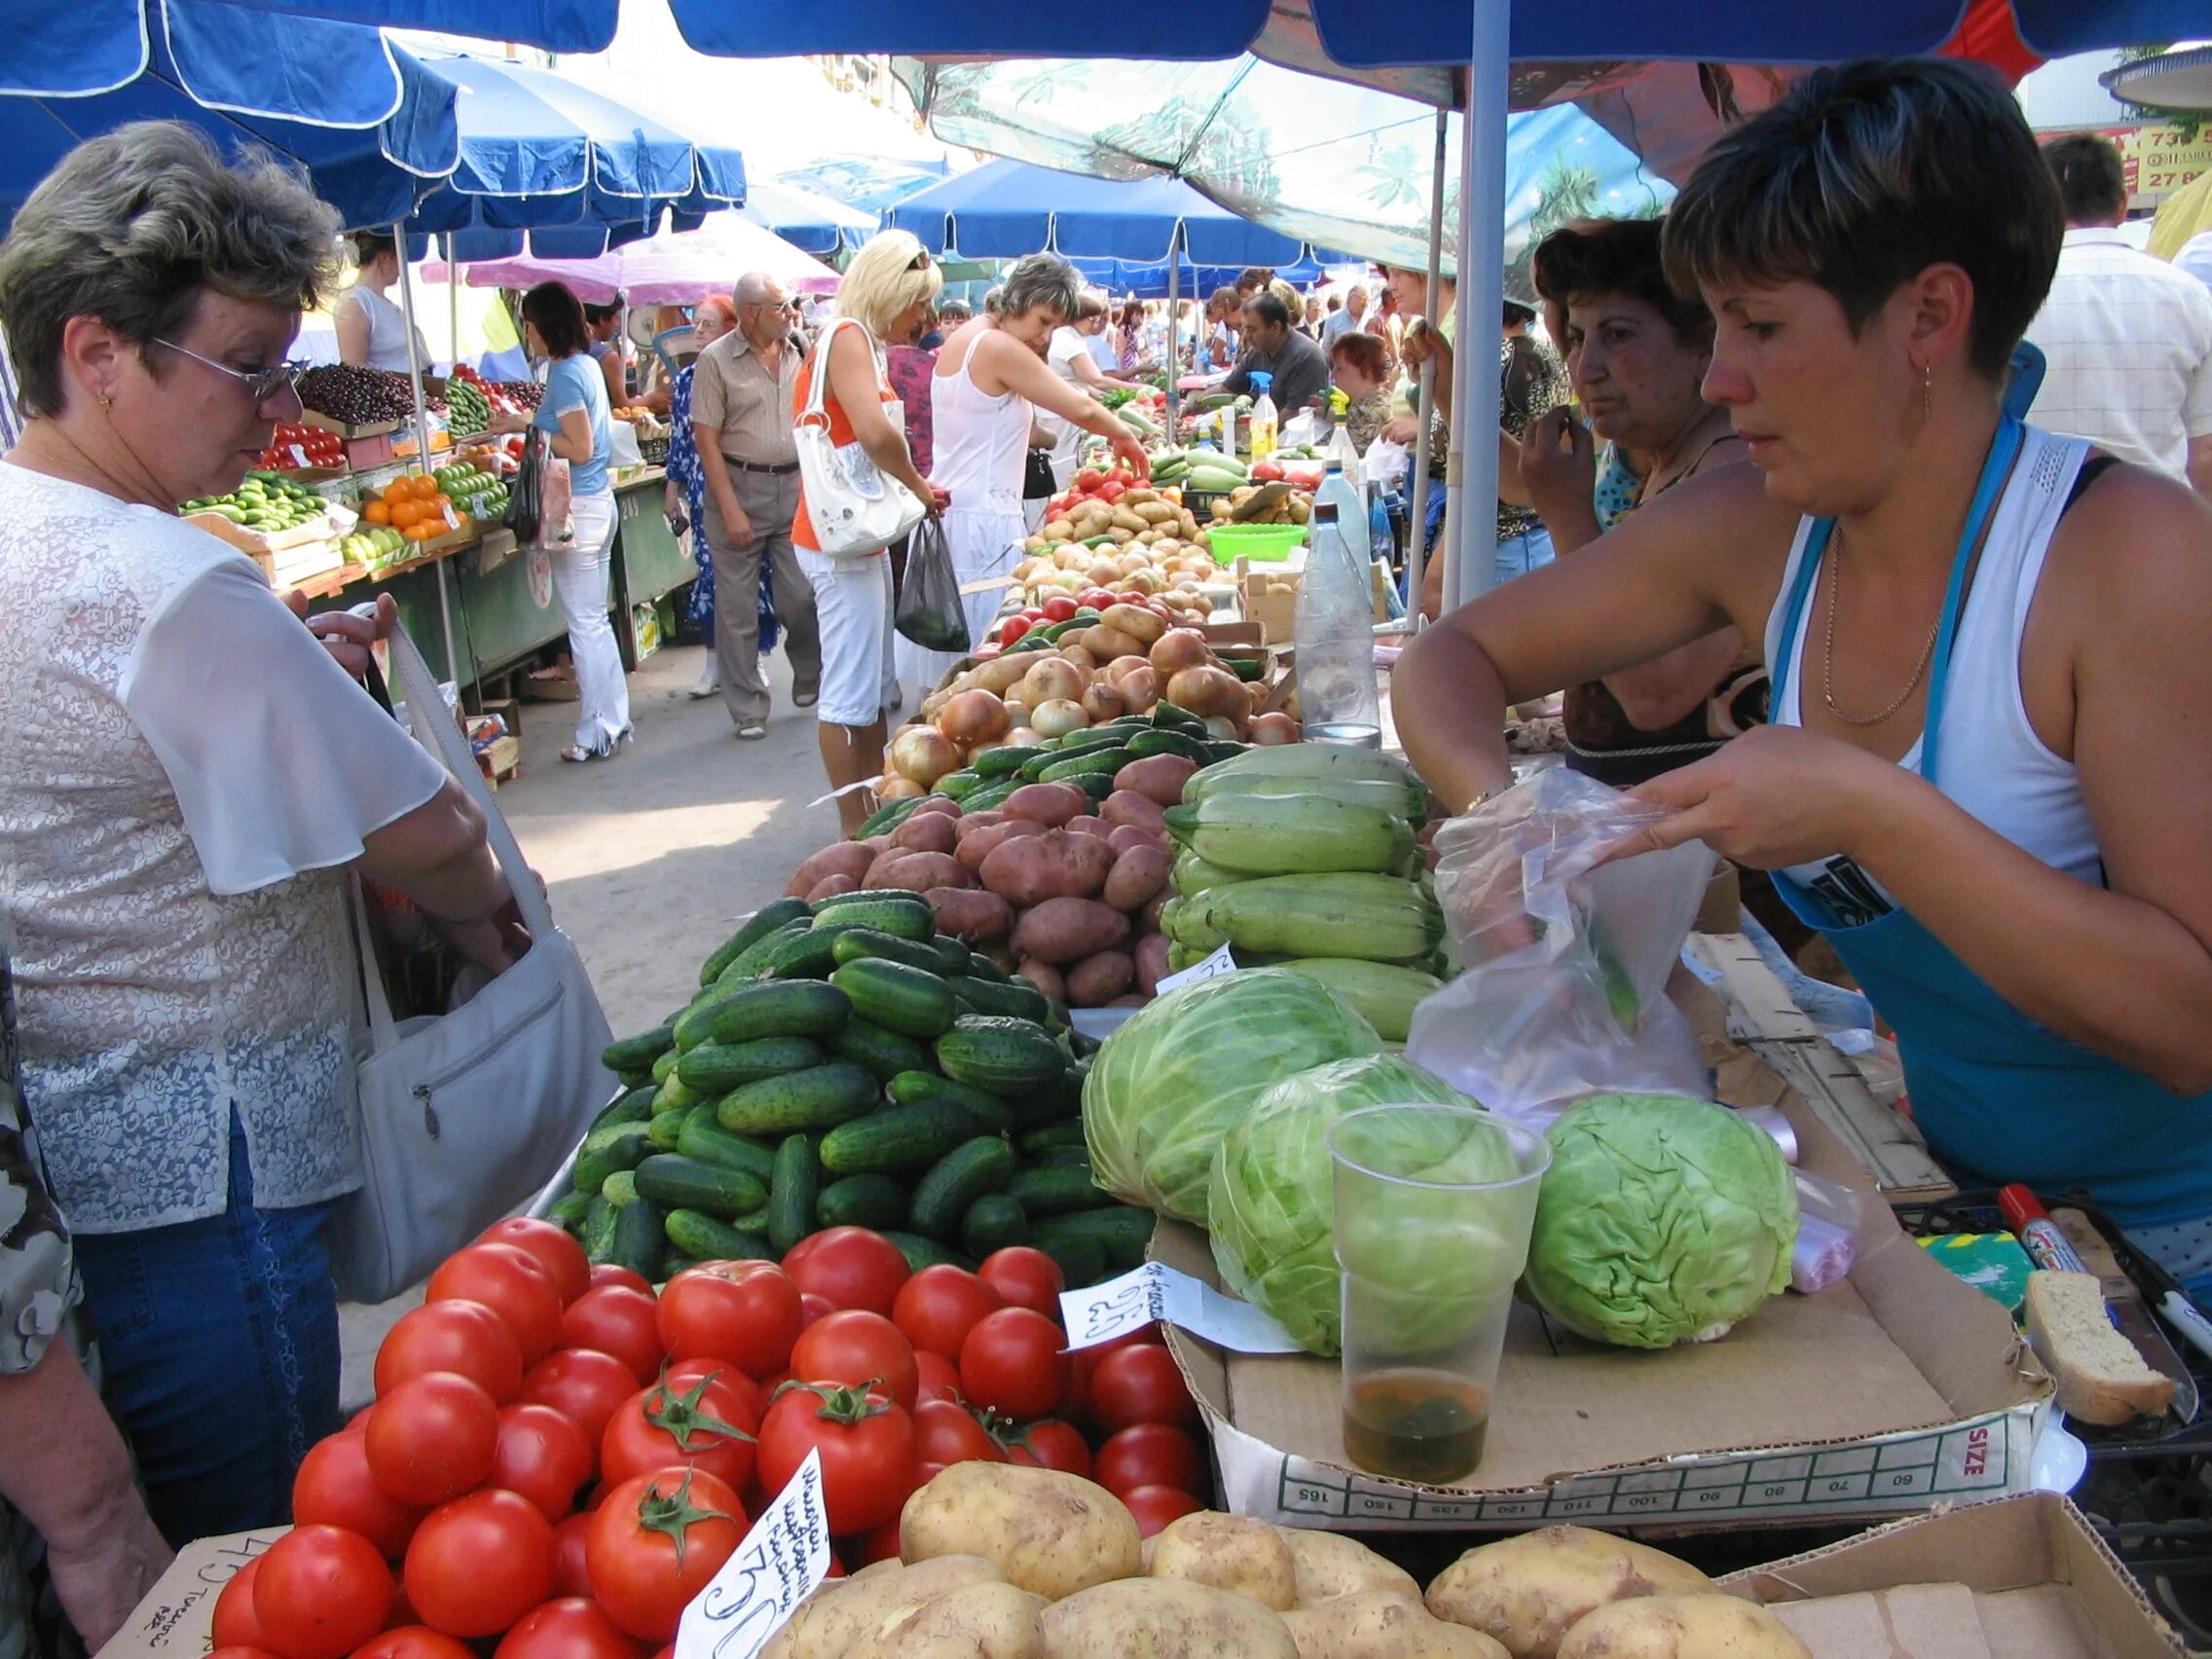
[668, 268]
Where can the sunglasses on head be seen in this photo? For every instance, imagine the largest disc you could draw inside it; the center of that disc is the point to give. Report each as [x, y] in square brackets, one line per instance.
[921, 260]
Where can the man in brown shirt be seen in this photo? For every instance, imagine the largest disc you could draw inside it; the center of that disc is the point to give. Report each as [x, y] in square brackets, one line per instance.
[741, 408]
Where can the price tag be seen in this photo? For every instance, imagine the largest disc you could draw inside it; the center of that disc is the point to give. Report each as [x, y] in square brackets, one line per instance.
[1212, 967]
[452, 521]
[299, 456]
[1156, 1291]
[784, 1559]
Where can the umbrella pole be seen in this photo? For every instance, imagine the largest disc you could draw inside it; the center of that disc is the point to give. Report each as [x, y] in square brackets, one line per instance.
[453, 303]
[1425, 404]
[423, 428]
[1482, 305]
[1174, 348]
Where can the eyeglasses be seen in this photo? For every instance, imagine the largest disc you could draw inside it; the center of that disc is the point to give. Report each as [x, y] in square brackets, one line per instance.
[921, 260]
[263, 383]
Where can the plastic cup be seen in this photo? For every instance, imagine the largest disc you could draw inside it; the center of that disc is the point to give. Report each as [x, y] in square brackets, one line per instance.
[1434, 1205]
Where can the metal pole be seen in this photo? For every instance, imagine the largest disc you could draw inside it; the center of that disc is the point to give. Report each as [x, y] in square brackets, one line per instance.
[1174, 351]
[414, 359]
[1424, 405]
[1482, 305]
[453, 303]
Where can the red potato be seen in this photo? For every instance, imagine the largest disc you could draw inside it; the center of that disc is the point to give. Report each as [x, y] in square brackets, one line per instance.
[917, 871]
[927, 833]
[1151, 962]
[1123, 836]
[1098, 980]
[973, 918]
[839, 858]
[1090, 824]
[1134, 999]
[974, 849]
[830, 886]
[1048, 804]
[1156, 777]
[970, 821]
[1141, 811]
[1029, 870]
[1044, 975]
[945, 805]
[1137, 878]
[1060, 931]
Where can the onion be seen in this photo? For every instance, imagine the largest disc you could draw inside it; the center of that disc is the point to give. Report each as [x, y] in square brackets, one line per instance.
[1020, 737]
[1208, 691]
[1177, 650]
[1103, 703]
[1081, 656]
[1121, 665]
[1274, 728]
[1139, 688]
[1053, 678]
[1058, 717]
[970, 717]
[924, 754]
[1221, 726]
[895, 788]
[932, 706]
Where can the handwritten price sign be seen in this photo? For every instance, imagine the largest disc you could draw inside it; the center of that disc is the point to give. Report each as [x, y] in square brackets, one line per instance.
[784, 1559]
[1156, 1291]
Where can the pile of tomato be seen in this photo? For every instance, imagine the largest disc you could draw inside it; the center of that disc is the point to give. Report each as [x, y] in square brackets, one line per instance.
[1105, 484]
[558, 1459]
[299, 445]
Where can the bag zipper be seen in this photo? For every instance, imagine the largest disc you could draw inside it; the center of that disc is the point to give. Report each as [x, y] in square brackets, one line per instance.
[427, 1087]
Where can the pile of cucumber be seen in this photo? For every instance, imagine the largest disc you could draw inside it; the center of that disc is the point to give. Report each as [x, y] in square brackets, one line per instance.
[846, 1064]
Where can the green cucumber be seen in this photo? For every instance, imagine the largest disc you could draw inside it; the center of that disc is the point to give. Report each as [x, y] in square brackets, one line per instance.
[974, 1167]
[886, 818]
[1046, 1137]
[675, 1096]
[757, 926]
[881, 1053]
[673, 1262]
[861, 943]
[595, 1234]
[1018, 999]
[675, 1182]
[1096, 763]
[1163, 740]
[704, 1238]
[568, 1211]
[819, 1097]
[912, 1001]
[981, 967]
[665, 1129]
[899, 1137]
[993, 1222]
[912, 1087]
[923, 1252]
[621, 1188]
[806, 955]
[1082, 1259]
[631, 1106]
[704, 1140]
[746, 966]
[907, 916]
[619, 1146]
[1221, 749]
[958, 784]
[791, 1198]
[640, 1242]
[1008, 1058]
[1121, 1231]
[716, 1068]
[664, 1068]
[952, 956]
[1168, 717]
[862, 1201]
[636, 1054]
[995, 763]
[1056, 1189]
[993, 795]
[782, 1007]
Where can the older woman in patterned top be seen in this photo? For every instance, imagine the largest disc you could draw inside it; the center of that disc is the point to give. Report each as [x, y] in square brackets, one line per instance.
[685, 494]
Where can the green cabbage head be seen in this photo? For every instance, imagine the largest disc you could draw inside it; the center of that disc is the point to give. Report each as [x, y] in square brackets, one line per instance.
[1270, 1195]
[1167, 1086]
[1661, 1220]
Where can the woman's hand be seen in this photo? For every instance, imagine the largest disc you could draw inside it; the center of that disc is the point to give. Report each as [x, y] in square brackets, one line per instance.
[346, 635]
[101, 1575]
[1404, 431]
[506, 421]
[1773, 797]
[1558, 466]
[1124, 445]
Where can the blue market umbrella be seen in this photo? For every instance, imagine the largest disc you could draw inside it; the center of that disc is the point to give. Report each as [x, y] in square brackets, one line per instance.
[812, 223]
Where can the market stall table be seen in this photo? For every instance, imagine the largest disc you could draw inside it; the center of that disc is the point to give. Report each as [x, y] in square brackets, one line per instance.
[650, 561]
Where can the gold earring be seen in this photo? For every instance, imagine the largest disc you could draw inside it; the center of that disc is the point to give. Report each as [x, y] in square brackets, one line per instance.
[1928, 391]
[106, 402]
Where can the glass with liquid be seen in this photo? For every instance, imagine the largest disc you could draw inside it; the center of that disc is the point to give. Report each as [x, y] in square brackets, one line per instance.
[1434, 1210]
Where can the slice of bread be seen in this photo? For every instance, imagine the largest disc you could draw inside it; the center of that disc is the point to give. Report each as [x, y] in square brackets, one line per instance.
[2101, 1378]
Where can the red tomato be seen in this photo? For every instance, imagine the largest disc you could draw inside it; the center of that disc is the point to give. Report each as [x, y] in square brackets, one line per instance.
[853, 1348]
[1139, 1385]
[541, 1454]
[746, 1312]
[869, 1466]
[1013, 1361]
[235, 1651]
[1051, 1444]
[1011, 629]
[1033, 616]
[508, 1281]
[988, 650]
[1087, 1361]
[432, 1438]
[235, 1625]
[618, 1319]
[480, 1562]
[1097, 598]
[848, 1266]
[584, 1386]
[948, 1432]
[704, 1423]
[1090, 478]
[938, 1378]
[321, 1593]
[358, 1423]
[1111, 491]
[1060, 608]
[465, 1337]
[560, 1255]
[1024, 1277]
[570, 1574]
[656, 1542]
[1151, 1453]
[573, 1627]
[880, 1543]
[411, 1641]
[940, 1305]
[751, 1395]
[613, 1273]
[1154, 1507]
[812, 1307]
[334, 1489]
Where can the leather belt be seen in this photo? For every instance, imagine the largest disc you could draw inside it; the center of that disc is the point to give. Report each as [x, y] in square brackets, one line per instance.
[778, 469]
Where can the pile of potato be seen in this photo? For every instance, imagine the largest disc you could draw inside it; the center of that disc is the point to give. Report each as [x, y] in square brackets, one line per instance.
[1296, 507]
[1003, 1561]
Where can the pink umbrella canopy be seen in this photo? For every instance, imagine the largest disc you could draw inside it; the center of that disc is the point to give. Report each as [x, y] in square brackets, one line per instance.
[668, 269]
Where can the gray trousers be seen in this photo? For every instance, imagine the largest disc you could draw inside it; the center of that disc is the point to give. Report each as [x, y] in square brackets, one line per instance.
[769, 500]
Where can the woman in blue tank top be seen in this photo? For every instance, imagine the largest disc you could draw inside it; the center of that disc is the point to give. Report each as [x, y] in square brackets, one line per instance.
[1989, 774]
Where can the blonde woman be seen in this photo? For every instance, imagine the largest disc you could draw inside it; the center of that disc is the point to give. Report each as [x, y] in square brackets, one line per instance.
[886, 289]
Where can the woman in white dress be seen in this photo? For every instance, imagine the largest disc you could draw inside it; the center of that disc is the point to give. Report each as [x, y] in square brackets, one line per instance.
[371, 331]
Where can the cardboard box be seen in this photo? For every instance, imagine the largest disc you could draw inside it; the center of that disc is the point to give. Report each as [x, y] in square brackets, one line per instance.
[2020, 1578]
[176, 1619]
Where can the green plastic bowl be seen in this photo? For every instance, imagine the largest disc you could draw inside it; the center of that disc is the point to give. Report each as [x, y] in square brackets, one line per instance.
[1264, 543]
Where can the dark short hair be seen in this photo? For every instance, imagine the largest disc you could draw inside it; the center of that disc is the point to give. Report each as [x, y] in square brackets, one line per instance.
[1618, 256]
[597, 314]
[559, 318]
[2093, 182]
[1365, 352]
[1269, 308]
[1255, 276]
[1865, 174]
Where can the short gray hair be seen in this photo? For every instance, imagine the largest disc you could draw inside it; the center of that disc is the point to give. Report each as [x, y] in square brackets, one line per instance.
[754, 288]
[134, 225]
[1038, 280]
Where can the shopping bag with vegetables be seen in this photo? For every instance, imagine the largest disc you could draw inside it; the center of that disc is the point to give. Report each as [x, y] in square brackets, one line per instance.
[930, 612]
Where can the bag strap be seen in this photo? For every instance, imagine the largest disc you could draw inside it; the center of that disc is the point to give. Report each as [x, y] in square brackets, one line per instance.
[382, 1031]
[818, 377]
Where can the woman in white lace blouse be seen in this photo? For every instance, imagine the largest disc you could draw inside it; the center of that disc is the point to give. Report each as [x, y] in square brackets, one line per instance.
[186, 778]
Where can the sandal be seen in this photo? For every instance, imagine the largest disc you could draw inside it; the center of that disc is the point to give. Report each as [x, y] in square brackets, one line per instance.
[752, 731]
[576, 754]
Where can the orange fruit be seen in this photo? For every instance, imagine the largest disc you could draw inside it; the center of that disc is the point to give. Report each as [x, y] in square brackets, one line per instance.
[377, 511]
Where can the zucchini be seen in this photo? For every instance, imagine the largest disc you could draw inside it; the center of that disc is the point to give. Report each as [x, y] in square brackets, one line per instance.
[716, 1068]
[1121, 1231]
[1005, 762]
[621, 1188]
[974, 1167]
[952, 956]
[619, 1146]
[862, 1201]
[703, 1238]
[639, 1240]
[912, 1001]
[636, 1054]
[757, 926]
[923, 1252]
[567, 1212]
[899, 1137]
[791, 1197]
[782, 1007]
[1006, 1056]
[595, 1234]
[993, 1222]
[631, 1106]
[705, 1140]
[1054, 1191]
[745, 967]
[1162, 740]
[882, 1054]
[820, 1097]
[675, 1182]
[665, 1130]
[907, 916]
[1015, 999]
[861, 944]
[1047, 1137]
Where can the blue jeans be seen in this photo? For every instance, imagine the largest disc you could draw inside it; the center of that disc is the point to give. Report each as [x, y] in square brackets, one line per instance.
[1518, 555]
[221, 1344]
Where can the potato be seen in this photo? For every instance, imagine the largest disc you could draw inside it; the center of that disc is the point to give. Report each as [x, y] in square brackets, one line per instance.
[1148, 919]
[1106, 642]
[1138, 874]
[943, 805]
[1158, 776]
[917, 871]
[1331, 1565]
[1382, 1624]
[927, 833]
[1090, 824]
[1127, 806]
[1047, 1531]
[976, 1621]
[1709, 1626]
[1044, 975]
[1163, 1618]
[1135, 621]
[968, 823]
[1123, 836]
[1062, 931]
[1098, 980]
[1151, 962]
[1230, 1552]
[1529, 1591]
[1028, 869]
[973, 918]
[845, 1610]
[979, 844]
[1048, 804]
[839, 858]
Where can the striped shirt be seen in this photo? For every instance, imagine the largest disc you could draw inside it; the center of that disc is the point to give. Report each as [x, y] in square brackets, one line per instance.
[733, 392]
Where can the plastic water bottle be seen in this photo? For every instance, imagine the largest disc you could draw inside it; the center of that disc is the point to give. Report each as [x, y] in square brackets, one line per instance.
[1337, 697]
[1345, 495]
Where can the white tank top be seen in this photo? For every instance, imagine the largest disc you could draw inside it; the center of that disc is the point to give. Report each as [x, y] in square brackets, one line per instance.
[1993, 763]
[980, 443]
[388, 329]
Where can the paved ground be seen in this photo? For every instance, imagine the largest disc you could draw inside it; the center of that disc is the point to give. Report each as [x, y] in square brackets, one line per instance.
[651, 857]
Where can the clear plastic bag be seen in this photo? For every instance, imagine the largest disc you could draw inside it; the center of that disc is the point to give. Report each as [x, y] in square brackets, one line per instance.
[1386, 463]
[930, 612]
[1567, 951]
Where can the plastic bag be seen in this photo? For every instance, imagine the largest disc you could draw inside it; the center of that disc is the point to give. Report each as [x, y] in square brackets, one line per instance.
[526, 501]
[1386, 463]
[1567, 954]
[930, 612]
[1829, 1219]
[1301, 428]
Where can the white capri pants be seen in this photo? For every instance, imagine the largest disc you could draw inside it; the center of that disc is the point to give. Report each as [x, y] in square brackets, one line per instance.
[852, 604]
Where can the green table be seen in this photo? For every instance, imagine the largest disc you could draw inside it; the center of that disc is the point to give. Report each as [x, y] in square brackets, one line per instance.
[648, 560]
[507, 605]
